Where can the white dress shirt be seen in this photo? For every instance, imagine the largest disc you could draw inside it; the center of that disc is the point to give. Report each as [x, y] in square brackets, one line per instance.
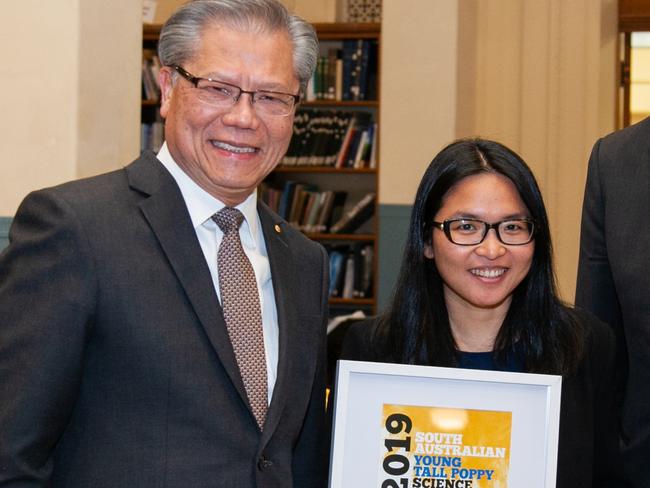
[201, 207]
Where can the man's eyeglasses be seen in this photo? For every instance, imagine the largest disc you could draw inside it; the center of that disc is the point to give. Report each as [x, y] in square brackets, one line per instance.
[221, 94]
[470, 232]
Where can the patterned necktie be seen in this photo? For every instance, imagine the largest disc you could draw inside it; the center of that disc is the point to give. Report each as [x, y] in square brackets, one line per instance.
[240, 302]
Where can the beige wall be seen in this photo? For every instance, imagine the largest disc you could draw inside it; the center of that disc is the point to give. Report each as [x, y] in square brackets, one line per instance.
[418, 91]
[70, 92]
[110, 56]
[38, 45]
[313, 10]
[164, 9]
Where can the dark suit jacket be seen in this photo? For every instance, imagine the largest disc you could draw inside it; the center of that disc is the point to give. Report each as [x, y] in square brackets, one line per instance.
[116, 369]
[614, 272]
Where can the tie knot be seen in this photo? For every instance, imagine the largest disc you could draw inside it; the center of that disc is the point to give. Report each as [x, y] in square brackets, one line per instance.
[228, 218]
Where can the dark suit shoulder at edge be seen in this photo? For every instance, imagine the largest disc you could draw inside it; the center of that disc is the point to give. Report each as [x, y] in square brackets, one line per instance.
[595, 328]
[91, 187]
[600, 341]
[617, 145]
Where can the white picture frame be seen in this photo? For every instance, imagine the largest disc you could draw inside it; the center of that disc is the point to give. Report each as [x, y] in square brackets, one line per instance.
[363, 389]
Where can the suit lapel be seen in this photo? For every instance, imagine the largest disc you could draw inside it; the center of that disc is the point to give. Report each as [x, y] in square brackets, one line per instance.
[166, 212]
[283, 275]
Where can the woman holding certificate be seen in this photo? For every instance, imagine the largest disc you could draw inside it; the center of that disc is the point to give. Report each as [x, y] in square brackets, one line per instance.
[476, 290]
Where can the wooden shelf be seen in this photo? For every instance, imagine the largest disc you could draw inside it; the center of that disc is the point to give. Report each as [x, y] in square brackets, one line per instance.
[347, 30]
[340, 103]
[323, 169]
[340, 237]
[151, 32]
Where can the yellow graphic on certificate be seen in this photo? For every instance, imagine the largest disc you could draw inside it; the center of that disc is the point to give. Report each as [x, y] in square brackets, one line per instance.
[434, 447]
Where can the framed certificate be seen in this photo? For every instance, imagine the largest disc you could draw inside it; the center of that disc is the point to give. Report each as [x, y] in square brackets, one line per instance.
[404, 426]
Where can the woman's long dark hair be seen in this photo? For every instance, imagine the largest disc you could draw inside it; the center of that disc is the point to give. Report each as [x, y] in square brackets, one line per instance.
[415, 328]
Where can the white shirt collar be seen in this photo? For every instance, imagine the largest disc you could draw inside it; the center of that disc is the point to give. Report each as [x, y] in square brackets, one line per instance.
[201, 205]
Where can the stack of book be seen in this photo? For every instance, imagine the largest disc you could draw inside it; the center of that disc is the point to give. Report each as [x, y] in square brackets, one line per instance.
[150, 70]
[334, 138]
[310, 210]
[356, 216]
[346, 74]
[351, 270]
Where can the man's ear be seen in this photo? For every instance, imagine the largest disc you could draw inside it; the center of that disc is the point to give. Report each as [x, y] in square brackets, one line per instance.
[165, 81]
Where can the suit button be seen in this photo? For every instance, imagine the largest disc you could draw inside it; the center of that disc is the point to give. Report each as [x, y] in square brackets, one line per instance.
[264, 463]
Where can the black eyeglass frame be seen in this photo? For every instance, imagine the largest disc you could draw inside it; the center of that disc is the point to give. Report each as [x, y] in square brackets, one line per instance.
[195, 80]
[445, 227]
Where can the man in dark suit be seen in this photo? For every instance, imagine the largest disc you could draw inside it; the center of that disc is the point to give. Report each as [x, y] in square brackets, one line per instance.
[119, 363]
[614, 274]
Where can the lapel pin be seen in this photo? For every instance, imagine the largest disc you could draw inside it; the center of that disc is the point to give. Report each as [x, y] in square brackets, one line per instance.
[278, 229]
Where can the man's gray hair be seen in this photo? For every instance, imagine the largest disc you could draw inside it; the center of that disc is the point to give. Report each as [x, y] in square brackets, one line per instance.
[181, 34]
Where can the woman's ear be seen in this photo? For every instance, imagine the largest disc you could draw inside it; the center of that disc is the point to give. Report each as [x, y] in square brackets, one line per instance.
[428, 250]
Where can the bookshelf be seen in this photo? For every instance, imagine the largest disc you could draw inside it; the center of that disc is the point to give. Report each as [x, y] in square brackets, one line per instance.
[151, 127]
[355, 181]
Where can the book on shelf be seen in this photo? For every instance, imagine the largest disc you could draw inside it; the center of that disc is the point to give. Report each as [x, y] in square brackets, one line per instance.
[362, 150]
[270, 195]
[313, 210]
[299, 139]
[331, 138]
[325, 134]
[319, 78]
[332, 208]
[338, 76]
[303, 205]
[330, 76]
[363, 283]
[286, 199]
[299, 200]
[341, 123]
[355, 76]
[336, 259]
[346, 142]
[348, 154]
[348, 151]
[347, 72]
[150, 69]
[372, 159]
[349, 47]
[351, 270]
[355, 216]
[348, 277]
[367, 71]
[362, 76]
